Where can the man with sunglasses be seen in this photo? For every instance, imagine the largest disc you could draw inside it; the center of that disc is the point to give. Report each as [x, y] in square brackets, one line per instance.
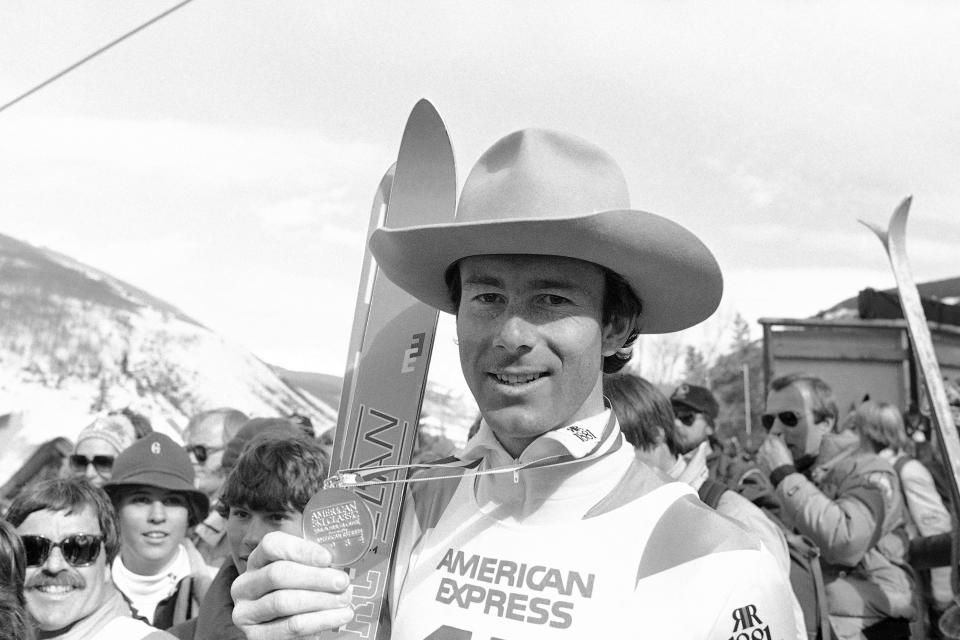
[206, 437]
[846, 499]
[69, 532]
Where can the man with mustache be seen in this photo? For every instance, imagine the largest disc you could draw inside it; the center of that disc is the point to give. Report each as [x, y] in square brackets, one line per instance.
[555, 530]
[69, 531]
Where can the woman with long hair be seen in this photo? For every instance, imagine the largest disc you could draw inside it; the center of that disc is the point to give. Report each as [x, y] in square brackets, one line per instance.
[15, 622]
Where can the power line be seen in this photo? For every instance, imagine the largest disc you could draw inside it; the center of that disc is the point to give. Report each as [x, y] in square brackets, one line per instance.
[93, 55]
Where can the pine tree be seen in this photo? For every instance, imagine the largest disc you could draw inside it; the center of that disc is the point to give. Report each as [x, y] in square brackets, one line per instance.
[695, 367]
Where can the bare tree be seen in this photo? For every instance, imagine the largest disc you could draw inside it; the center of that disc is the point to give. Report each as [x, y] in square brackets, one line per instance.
[661, 358]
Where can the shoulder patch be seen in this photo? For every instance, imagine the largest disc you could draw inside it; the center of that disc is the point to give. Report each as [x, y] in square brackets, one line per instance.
[881, 480]
[689, 530]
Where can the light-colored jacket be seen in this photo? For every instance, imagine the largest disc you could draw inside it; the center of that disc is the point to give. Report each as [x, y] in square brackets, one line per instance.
[852, 508]
[112, 620]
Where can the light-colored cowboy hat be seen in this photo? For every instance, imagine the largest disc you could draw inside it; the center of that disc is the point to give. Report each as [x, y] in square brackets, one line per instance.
[547, 193]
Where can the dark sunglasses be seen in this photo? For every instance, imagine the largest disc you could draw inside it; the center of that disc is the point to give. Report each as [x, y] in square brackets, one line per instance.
[686, 417]
[788, 418]
[80, 550]
[201, 451]
[103, 464]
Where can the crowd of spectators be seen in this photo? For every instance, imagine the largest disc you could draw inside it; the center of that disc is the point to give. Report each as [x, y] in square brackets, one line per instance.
[142, 536]
[139, 536]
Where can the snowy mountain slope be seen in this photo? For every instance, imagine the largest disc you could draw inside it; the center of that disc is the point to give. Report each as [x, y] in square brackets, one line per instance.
[75, 341]
[444, 413]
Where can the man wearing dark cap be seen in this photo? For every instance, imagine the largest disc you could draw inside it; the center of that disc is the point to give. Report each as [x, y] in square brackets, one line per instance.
[695, 410]
[556, 530]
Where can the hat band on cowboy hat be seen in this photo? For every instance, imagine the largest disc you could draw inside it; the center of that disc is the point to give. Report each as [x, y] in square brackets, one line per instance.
[540, 192]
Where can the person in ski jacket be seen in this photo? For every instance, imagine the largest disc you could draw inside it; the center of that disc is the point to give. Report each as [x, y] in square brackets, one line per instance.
[551, 276]
[881, 425]
[838, 492]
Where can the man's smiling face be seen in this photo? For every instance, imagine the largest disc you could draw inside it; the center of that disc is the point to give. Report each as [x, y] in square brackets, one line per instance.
[57, 593]
[532, 342]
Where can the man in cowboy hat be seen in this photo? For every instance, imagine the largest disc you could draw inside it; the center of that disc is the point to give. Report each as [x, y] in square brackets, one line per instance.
[551, 276]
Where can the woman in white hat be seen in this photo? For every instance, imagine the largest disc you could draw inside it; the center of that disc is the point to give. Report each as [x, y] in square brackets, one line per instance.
[98, 446]
[158, 569]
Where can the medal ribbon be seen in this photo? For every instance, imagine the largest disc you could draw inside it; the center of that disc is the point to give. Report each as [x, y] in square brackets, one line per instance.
[364, 477]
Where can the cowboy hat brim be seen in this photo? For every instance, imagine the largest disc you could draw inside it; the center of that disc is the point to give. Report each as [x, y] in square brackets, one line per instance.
[673, 273]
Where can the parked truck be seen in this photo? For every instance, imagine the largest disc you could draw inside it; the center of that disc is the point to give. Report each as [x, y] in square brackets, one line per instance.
[857, 357]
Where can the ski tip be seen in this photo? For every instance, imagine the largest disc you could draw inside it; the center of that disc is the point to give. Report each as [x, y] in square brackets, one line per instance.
[388, 176]
[424, 107]
[898, 221]
[877, 229]
[426, 125]
[905, 203]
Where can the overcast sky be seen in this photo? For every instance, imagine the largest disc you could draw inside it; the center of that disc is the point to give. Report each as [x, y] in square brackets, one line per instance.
[225, 158]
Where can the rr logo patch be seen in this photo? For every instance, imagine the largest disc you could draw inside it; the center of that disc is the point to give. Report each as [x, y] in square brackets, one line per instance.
[747, 624]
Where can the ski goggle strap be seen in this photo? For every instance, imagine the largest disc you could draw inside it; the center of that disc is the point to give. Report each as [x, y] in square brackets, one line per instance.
[79, 550]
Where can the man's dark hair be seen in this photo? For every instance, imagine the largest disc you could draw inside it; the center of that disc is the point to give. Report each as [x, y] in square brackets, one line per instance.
[71, 495]
[644, 413]
[304, 422]
[824, 406]
[275, 474]
[621, 308]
